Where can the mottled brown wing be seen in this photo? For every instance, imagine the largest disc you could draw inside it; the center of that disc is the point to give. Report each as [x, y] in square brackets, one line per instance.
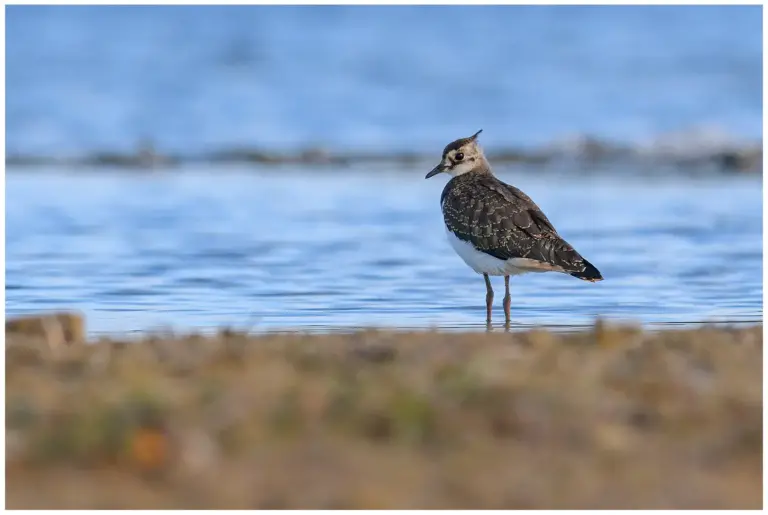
[504, 222]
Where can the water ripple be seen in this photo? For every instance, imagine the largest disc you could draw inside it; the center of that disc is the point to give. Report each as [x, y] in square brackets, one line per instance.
[672, 252]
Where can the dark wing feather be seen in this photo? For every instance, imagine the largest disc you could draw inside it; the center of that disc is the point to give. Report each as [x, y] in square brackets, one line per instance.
[504, 222]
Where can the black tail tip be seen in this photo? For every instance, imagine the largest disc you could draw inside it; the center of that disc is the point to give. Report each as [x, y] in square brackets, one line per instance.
[590, 273]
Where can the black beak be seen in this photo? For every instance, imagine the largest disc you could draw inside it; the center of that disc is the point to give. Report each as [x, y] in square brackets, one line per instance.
[436, 170]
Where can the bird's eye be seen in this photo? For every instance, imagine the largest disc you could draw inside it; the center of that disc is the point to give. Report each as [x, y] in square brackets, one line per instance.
[459, 156]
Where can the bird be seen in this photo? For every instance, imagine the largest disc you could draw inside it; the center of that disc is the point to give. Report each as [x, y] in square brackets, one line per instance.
[495, 228]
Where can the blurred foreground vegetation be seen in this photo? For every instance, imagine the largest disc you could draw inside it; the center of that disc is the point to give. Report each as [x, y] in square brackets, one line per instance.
[608, 418]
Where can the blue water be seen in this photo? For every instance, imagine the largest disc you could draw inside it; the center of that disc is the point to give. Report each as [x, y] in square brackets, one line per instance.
[193, 79]
[311, 248]
[268, 250]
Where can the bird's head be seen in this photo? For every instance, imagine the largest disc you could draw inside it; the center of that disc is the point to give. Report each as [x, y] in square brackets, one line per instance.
[461, 156]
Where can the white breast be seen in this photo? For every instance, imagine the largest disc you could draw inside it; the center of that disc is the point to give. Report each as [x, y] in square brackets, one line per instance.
[481, 262]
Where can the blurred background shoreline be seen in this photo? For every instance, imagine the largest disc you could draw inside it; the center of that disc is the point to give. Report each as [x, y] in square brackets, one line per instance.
[696, 152]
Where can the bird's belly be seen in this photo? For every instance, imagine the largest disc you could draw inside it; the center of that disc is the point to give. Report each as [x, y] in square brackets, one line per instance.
[481, 262]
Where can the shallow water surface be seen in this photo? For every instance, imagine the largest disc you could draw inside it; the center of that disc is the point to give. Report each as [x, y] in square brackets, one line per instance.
[314, 250]
[196, 78]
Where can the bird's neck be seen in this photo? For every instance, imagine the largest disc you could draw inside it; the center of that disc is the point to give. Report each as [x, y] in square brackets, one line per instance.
[482, 167]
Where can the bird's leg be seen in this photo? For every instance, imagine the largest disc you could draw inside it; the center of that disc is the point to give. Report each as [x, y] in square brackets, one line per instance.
[488, 298]
[507, 299]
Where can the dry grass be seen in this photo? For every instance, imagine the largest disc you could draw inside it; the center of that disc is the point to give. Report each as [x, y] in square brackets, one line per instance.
[56, 329]
[602, 419]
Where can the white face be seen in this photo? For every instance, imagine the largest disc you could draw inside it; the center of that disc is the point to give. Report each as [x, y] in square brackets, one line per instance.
[462, 160]
[466, 158]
